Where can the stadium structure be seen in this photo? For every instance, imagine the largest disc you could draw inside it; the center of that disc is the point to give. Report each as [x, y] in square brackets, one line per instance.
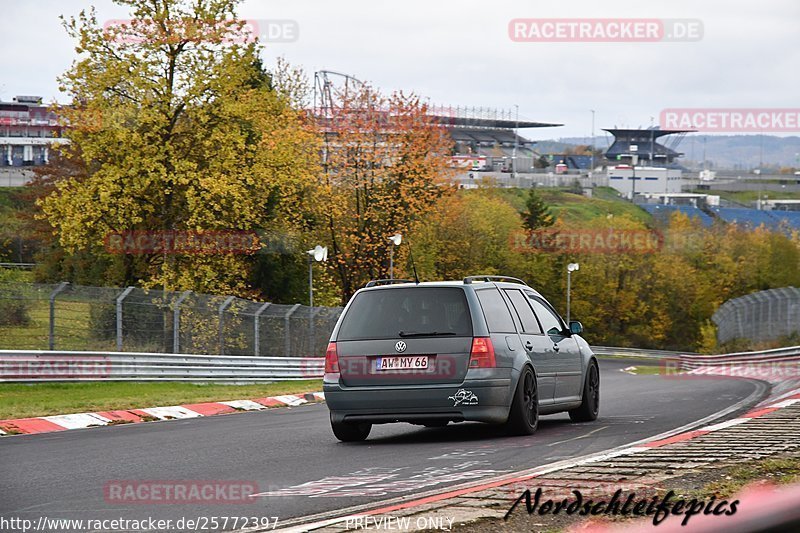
[638, 164]
[484, 139]
[649, 151]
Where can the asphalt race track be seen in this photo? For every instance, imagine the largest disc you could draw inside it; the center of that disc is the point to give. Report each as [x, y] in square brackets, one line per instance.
[62, 475]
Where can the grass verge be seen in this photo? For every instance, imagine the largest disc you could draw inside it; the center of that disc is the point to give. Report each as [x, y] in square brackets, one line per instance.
[43, 399]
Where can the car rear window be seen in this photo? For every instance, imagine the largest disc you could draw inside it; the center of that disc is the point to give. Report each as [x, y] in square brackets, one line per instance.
[498, 317]
[385, 313]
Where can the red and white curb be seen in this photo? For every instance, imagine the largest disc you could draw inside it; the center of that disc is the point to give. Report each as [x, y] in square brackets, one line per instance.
[47, 424]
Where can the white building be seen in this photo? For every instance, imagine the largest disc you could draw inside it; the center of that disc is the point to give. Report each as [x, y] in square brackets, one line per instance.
[641, 180]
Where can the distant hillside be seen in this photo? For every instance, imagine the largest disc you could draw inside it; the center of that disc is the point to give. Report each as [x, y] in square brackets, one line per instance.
[739, 152]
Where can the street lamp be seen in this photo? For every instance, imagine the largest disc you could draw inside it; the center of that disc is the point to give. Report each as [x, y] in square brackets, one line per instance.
[319, 253]
[395, 239]
[572, 267]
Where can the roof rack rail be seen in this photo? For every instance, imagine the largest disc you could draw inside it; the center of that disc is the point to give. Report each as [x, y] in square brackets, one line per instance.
[378, 282]
[471, 279]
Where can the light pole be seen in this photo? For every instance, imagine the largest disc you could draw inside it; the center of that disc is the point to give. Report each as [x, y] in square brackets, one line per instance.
[572, 267]
[591, 168]
[634, 159]
[395, 239]
[516, 137]
[319, 253]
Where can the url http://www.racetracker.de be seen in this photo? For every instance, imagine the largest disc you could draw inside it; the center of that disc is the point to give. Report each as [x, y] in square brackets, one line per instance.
[199, 523]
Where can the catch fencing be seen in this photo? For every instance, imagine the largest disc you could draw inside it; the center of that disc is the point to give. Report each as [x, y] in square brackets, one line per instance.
[63, 316]
[762, 316]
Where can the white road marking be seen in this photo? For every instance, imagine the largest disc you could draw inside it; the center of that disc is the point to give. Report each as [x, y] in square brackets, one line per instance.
[785, 403]
[578, 437]
[727, 424]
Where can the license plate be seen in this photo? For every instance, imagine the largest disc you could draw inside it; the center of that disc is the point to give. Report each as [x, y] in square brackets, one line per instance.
[411, 362]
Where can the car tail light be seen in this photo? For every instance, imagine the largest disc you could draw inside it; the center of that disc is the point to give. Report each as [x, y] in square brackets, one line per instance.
[331, 359]
[482, 353]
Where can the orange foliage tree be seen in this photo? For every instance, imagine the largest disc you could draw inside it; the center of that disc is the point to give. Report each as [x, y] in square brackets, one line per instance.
[384, 165]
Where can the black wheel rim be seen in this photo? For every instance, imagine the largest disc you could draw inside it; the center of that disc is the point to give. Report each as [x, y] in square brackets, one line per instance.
[531, 399]
[594, 388]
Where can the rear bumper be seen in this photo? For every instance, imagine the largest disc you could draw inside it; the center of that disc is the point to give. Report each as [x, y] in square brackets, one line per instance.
[478, 401]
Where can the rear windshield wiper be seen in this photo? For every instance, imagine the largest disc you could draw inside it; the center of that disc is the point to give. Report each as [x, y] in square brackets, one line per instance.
[425, 333]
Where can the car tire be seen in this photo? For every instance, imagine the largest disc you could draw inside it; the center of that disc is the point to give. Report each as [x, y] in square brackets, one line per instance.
[349, 432]
[523, 419]
[590, 404]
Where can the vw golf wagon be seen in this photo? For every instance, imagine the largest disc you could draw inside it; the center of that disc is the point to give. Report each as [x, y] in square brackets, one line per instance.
[486, 348]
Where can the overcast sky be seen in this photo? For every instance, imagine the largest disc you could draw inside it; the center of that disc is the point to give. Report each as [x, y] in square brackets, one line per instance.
[458, 52]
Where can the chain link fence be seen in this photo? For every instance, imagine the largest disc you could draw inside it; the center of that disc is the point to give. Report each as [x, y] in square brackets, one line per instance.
[63, 316]
[761, 316]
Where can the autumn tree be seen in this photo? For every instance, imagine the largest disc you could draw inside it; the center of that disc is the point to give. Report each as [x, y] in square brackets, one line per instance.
[468, 233]
[384, 165]
[179, 127]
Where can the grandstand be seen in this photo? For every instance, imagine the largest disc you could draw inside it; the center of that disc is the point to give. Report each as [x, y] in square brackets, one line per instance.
[489, 133]
[662, 213]
[753, 218]
[748, 218]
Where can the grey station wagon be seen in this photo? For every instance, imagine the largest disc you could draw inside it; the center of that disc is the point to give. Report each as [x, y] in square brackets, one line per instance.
[487, 349]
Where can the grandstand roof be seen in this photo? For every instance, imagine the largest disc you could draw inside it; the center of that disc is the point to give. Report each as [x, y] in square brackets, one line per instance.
[474, 122]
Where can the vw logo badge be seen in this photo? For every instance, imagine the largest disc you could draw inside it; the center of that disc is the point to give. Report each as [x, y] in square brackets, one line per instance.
[400, 346]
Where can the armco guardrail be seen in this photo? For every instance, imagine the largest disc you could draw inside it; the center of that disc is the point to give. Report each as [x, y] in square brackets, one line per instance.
[637, 352]
[43, 366]
[777, 355]
[39, 366]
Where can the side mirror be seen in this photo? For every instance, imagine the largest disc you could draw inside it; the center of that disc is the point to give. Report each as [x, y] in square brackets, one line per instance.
[575, 327]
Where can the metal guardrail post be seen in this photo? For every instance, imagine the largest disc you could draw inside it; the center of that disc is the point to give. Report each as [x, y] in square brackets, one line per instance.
[176, 322]
[228, 301]
[121, 297]
[287, 339]
[52, 336]
[257, 330]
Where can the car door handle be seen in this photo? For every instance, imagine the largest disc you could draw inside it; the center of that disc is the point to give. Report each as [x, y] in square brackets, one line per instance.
[528, 346]
[555, 347]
